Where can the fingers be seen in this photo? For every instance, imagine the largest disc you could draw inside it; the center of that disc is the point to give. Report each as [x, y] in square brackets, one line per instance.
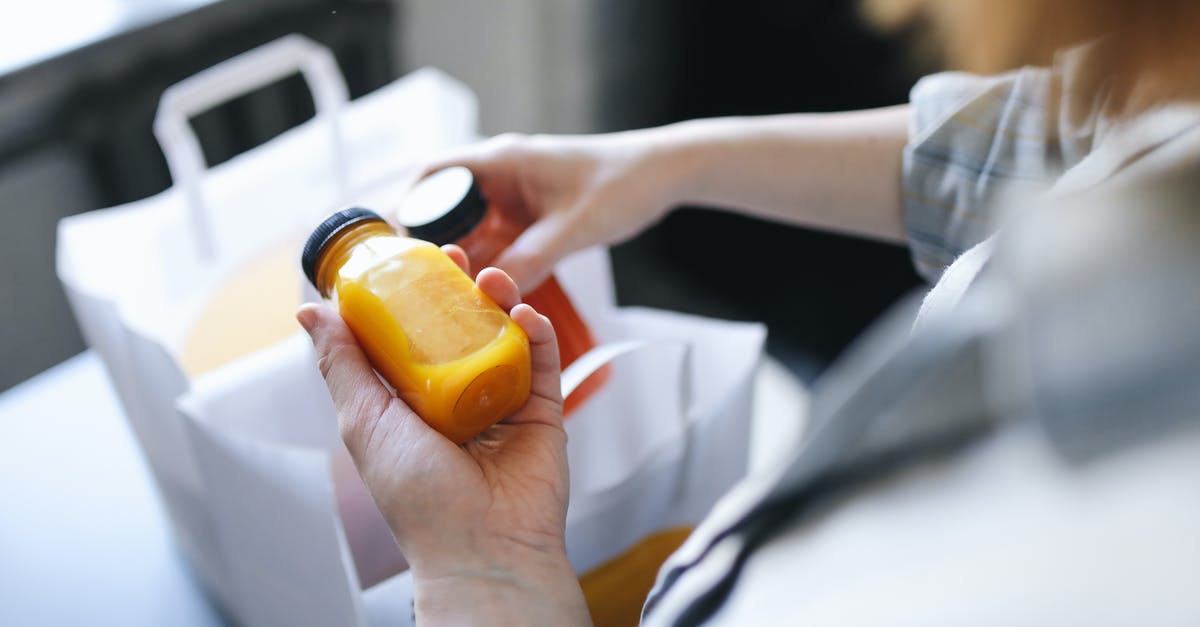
[470, 157]
[543, 352]
[545, 384]
[499, 287]
[477, 157]
[458, 256]
[530, 258]
[358, 396]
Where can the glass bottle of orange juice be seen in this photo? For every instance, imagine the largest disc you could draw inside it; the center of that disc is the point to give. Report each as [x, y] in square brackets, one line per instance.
[448, 207]
[455, 357]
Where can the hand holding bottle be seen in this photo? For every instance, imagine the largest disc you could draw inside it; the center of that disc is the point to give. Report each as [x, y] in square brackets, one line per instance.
[481, 524]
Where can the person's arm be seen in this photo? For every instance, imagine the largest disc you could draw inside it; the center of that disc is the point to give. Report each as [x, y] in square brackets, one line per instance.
[836, 171]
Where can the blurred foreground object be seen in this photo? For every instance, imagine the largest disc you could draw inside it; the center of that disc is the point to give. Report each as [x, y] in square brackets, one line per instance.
[1037, 442]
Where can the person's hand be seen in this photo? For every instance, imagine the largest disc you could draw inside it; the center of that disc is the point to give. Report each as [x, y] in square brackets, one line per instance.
[481, 524]
[575, 191]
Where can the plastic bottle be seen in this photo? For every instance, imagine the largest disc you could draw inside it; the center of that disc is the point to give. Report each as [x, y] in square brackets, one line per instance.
[456, 358]
[448, 207]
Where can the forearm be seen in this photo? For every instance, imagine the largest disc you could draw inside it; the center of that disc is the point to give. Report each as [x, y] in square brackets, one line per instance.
[836, 171]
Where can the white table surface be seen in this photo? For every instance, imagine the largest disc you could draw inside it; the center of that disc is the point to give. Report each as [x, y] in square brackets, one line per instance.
[83, 538]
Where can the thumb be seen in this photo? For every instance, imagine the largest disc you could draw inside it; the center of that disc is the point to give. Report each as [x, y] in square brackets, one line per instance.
[358, 396]
[531, 257]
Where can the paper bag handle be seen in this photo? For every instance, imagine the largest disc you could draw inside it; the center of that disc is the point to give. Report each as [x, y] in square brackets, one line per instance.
[596, 358]
[588, 363]
[230, 79]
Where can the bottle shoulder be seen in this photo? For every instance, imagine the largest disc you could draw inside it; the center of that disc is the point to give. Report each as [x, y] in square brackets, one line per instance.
[369, 254]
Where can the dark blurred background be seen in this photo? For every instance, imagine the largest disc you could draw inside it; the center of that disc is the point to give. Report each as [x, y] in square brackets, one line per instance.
[78, 96]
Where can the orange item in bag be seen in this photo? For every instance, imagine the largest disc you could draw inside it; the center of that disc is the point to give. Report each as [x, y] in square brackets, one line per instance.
[447, 207]
[455, 357]
[616, 590]
[226, 329]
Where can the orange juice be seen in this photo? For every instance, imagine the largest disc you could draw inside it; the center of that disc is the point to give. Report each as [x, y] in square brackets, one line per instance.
[448, 207]
[455, 357]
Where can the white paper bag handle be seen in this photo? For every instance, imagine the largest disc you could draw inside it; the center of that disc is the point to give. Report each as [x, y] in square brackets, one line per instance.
[596, 358]
[230, 79]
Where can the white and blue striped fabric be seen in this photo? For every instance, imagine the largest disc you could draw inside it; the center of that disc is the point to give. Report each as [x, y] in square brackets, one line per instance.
[976, 141]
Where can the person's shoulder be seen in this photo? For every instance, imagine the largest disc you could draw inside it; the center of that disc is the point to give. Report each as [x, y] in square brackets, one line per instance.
[974, 100]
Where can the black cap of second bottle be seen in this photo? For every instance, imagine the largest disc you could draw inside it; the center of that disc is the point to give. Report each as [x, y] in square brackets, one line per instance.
[443, 207]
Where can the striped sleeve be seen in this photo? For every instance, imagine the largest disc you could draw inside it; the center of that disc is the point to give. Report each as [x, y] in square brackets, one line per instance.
[972, 139]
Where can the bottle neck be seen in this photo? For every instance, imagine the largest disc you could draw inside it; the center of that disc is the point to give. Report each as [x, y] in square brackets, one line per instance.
[337, 251]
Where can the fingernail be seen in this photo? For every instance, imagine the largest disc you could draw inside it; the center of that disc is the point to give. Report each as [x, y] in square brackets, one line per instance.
[307, 319]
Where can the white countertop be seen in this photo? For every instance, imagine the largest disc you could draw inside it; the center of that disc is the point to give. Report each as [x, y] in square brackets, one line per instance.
[83, 538]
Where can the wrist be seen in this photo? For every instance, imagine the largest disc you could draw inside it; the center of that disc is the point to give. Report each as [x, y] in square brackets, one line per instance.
[522, 586]
[680, 155]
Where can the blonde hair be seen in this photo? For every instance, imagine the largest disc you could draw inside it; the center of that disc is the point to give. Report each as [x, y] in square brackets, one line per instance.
[1150, 50]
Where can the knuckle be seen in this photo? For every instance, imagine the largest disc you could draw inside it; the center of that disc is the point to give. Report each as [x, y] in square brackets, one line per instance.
[366, 420]
[325, 364]
[328, 357]
[534, 259]
[354, 433]
[508, 142]
[509, 138]
[356, 423]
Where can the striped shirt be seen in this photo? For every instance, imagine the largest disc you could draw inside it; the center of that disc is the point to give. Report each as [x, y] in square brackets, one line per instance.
[976, 141]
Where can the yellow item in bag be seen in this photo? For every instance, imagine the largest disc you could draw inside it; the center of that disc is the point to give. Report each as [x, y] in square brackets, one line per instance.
[253, 309]
[616, 590]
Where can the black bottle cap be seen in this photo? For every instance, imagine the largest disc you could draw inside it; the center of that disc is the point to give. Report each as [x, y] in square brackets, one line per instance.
[326, 232]
[443, 207]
